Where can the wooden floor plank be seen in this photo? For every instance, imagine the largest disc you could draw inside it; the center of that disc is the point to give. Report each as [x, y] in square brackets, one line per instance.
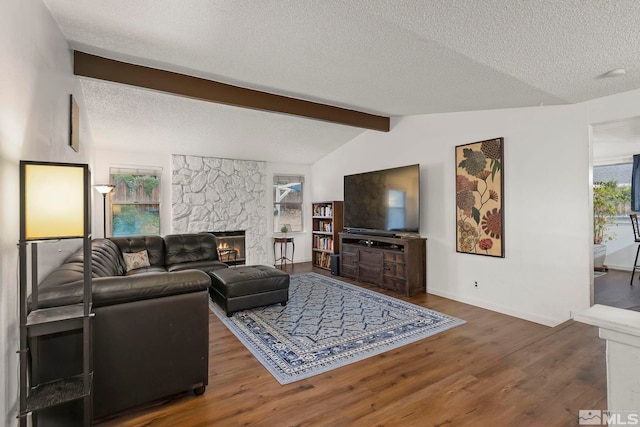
[493, 370]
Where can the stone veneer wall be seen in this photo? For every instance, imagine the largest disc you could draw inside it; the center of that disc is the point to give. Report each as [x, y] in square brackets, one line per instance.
[213, 194]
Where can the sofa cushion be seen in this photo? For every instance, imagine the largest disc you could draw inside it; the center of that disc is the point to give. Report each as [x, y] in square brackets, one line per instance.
[106, 261]
[206, 266]
[181, 248]
[154, 245]
[147, 270]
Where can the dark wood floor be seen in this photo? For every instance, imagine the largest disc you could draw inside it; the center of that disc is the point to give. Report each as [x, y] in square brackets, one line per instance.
[495, 370]
[613, 289]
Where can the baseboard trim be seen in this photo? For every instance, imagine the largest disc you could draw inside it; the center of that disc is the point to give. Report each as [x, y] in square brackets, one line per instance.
[619, 267]
[532, 317]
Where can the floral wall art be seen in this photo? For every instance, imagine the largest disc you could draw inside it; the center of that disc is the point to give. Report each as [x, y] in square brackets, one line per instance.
[479, 198]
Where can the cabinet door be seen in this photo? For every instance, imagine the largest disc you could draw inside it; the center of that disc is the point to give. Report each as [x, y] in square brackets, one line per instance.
[370, 266]
[395, 265]
[349, 261]
[395, 272]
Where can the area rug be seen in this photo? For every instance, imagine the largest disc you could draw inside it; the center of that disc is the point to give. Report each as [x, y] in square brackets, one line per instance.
[328, 324]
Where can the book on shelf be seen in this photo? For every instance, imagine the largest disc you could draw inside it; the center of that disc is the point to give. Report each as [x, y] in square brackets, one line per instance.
[322, 210]
[324, 243]
[326, 226]
[323, 260]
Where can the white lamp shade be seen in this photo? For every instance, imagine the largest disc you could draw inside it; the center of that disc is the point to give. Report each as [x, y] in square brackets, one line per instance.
[54, 201]
[104, 188]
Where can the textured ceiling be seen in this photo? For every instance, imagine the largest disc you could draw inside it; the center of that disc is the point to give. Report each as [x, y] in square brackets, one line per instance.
[386, 57]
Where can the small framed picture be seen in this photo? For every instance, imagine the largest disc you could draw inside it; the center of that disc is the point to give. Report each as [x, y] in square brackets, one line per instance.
[74, 124]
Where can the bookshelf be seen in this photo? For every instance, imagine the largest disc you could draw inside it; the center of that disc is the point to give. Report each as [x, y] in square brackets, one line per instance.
[327, 225]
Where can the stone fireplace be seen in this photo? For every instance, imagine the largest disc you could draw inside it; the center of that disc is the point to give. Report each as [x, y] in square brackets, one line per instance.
[210, 194]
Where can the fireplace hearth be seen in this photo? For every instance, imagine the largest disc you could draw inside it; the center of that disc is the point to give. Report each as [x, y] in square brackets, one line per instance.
[231, 246]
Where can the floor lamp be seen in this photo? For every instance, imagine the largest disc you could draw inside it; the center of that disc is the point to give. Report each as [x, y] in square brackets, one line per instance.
[104, 189]
[54, 204]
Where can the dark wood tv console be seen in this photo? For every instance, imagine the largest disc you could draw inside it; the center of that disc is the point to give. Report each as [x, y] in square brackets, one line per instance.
[396, 263]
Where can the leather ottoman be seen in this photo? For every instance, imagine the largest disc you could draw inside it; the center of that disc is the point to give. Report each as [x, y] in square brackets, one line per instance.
[245, 287]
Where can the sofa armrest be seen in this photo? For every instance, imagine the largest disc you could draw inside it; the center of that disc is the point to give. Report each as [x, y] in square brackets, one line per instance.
[120, 289]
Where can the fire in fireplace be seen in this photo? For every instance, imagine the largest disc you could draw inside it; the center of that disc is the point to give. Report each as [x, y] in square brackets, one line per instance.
[231, 246]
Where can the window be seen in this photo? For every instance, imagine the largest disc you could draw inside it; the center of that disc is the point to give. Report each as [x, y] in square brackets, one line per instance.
[135, 201]
[621, 175]
[287, 202]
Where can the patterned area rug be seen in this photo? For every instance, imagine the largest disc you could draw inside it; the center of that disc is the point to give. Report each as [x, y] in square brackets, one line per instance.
[328, 324]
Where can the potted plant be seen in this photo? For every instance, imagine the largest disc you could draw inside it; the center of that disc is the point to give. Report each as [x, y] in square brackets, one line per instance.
[607, 198]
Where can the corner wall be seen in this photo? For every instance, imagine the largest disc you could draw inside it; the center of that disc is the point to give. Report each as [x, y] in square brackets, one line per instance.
[546, 273]
[37, 78]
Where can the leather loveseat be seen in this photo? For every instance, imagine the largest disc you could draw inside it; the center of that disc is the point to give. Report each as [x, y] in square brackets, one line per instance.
[151, 325]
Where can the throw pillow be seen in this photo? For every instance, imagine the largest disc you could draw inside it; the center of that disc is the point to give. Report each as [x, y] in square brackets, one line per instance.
[136, 260]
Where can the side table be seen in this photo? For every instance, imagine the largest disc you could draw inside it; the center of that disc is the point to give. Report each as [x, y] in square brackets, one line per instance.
[283, 241]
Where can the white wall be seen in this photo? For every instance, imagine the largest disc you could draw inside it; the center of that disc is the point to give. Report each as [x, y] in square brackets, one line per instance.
[36, 79]
[548, 225]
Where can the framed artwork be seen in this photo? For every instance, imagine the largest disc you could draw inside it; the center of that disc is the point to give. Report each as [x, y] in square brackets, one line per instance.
[74, 124]
[479, 198]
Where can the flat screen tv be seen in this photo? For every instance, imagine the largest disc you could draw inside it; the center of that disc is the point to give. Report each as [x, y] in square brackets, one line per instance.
[384, 201]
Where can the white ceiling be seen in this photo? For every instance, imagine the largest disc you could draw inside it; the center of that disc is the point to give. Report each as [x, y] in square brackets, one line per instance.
[386, 57]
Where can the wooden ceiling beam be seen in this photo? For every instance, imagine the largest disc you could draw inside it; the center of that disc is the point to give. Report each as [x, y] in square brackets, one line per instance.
[97, 67]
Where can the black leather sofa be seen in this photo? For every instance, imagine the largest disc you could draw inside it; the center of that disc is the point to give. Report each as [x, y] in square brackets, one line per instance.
[151, 325]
